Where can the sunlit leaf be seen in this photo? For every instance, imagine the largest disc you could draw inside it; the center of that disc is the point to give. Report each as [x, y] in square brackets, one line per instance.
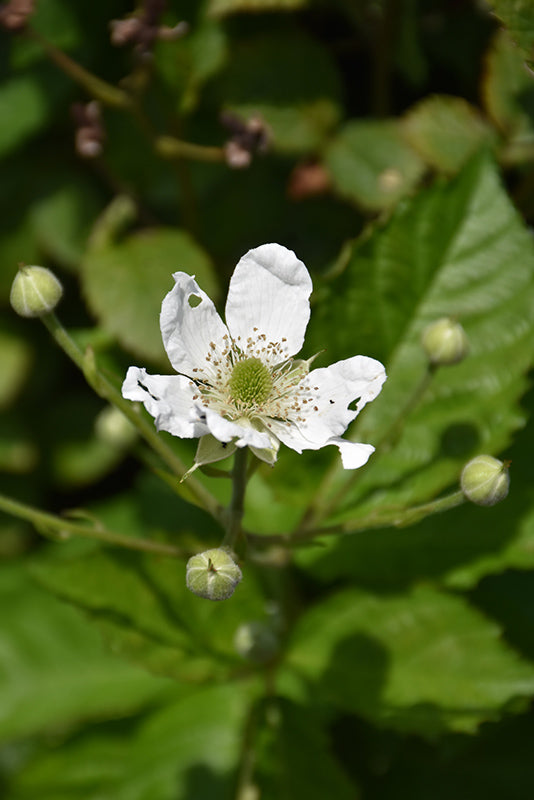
[457, 250]
[186, 749]
[424, 661]
[53, 668]
[445, 131]
[372, 164]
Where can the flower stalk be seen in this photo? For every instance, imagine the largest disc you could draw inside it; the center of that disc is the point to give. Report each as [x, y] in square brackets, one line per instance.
[236, 508]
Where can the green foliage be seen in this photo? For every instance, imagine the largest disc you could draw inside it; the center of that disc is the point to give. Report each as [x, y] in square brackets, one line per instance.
[126, 282]
[422, 661]
[391, 146]
[55, 673]
[379, 182]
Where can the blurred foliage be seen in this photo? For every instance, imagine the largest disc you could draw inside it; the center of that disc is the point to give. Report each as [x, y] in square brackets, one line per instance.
[390, 143]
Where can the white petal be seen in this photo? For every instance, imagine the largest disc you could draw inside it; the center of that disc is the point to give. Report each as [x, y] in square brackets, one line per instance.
[268, 296]
[241, 433]
[168, 398]
[191, 332]
[332, 389]
[353, 454]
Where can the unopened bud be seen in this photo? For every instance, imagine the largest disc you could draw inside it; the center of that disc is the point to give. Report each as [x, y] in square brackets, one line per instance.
[485, 480]
[256, 641]
[35, 291]
[445, 342]
[213, 574]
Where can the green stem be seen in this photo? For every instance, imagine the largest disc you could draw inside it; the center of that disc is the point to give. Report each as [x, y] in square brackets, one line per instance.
[96, 87]
[64, 529]
[235, 510]
[396, 518]
[320, 508]
[104, 388]
[170, 147]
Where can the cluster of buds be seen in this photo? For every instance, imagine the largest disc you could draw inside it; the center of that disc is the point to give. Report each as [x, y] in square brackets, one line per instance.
[15, 14]
[248, 137]
[90, 133]
[143, 29]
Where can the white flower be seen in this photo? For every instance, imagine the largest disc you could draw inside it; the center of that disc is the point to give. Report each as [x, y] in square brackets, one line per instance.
[238, 384]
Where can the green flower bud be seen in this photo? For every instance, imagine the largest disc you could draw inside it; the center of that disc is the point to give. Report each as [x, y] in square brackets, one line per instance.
[445, 342]
[213, 574]
[256, 641]
[35, 291]
[485, 480]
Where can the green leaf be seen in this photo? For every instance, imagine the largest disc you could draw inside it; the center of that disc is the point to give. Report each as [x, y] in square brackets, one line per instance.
[509, 98]
[290, 81]
[445, 131]
[125, 284]
[424, 662]
[146, 613]
[62, 221]
[518, 16]
[457, 250]
[53, 669]
[293, 758]
[188, 749]
[371, 163]
[27, 101]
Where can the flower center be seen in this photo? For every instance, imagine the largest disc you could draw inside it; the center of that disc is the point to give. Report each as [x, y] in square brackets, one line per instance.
[250, 382]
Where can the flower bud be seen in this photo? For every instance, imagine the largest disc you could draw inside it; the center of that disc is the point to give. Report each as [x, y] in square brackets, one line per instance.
[256, 641]
[485, 480]
[35, 291]
[213, 574]
[445, 342]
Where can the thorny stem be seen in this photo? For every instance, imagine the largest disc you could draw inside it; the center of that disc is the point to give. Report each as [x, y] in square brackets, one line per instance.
[64, 529]
[235, 510]
[320, 508]
[104, 388]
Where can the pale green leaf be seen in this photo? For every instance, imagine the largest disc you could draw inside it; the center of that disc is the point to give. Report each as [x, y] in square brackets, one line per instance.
[54, 670]
[445, 131]
[125, 284]
[424, 662]
[372, 164]
[188, 749]
[142, 605]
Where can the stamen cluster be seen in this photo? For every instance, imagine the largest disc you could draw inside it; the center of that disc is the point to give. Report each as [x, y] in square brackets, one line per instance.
[258, 381]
